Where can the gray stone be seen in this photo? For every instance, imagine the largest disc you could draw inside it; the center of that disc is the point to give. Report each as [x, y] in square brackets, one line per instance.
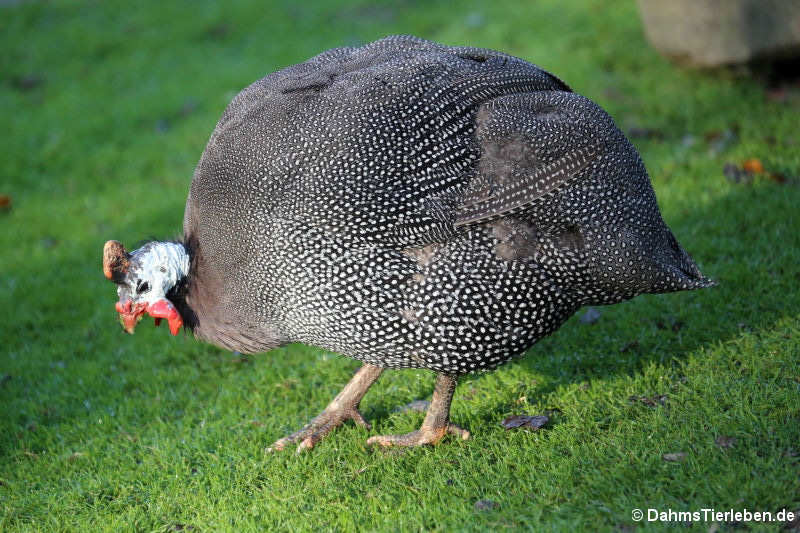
[709, 33]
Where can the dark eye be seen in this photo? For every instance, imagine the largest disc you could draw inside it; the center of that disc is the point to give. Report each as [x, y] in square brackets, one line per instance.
[143, 286]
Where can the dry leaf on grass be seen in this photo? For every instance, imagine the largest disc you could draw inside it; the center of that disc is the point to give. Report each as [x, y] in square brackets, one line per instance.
[486, 505]
[777, 177]
[528, 422]
[753, 166]
[27, 82]
[735, 174]
[632, 345]
[651, 401]
[720, 140]
[182, 527]
[748, 169]
[724, 441]
[591, 316]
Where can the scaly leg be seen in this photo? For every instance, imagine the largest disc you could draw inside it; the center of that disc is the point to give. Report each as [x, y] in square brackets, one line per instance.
[437, 420]
[343, 407]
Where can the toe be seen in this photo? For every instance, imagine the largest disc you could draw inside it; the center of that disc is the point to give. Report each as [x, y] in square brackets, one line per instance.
[306, 444]
[380, 440]
[355, 415]
[317, 429]
[425, 435]
[277, 446]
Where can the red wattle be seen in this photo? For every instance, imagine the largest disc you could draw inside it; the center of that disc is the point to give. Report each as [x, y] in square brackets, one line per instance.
[165, 309]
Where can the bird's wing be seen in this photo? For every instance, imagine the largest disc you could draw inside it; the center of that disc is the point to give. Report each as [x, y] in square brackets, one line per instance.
[394, 160]
[531, 144]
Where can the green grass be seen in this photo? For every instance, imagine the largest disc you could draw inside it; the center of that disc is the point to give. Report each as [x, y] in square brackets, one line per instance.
[100, 431]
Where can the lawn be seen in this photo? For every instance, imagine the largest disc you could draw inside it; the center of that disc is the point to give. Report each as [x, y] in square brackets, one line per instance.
[105, 108]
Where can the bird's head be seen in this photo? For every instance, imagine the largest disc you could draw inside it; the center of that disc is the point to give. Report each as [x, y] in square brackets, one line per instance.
[144, 277]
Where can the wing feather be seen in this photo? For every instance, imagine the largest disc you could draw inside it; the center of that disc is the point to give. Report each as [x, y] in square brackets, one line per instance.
[531, 145]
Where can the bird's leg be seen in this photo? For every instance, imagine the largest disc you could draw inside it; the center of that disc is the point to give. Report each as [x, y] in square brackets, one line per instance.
[343, 407]
[437, 420]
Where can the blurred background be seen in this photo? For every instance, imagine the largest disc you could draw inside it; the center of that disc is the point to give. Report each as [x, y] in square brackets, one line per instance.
[105, 108]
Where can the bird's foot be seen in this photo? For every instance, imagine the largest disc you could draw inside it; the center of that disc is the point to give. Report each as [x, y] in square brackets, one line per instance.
[313, 432]
[424, 435]
[343, 407]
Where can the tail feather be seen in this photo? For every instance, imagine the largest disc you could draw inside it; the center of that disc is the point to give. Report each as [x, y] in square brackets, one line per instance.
[680, 268]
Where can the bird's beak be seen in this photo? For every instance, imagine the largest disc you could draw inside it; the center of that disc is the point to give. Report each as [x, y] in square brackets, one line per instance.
[130, 314]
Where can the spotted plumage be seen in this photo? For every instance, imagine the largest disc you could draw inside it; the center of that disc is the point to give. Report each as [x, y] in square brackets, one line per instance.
[410, 204]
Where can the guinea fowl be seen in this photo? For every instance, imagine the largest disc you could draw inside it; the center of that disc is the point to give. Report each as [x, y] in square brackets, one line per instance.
[406, 204]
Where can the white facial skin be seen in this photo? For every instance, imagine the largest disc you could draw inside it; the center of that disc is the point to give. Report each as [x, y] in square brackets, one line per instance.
[154, 269]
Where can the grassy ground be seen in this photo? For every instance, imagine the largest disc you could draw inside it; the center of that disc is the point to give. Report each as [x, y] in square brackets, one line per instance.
[105, 109]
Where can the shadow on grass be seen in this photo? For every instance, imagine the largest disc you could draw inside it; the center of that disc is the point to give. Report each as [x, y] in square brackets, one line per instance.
[746, 242]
